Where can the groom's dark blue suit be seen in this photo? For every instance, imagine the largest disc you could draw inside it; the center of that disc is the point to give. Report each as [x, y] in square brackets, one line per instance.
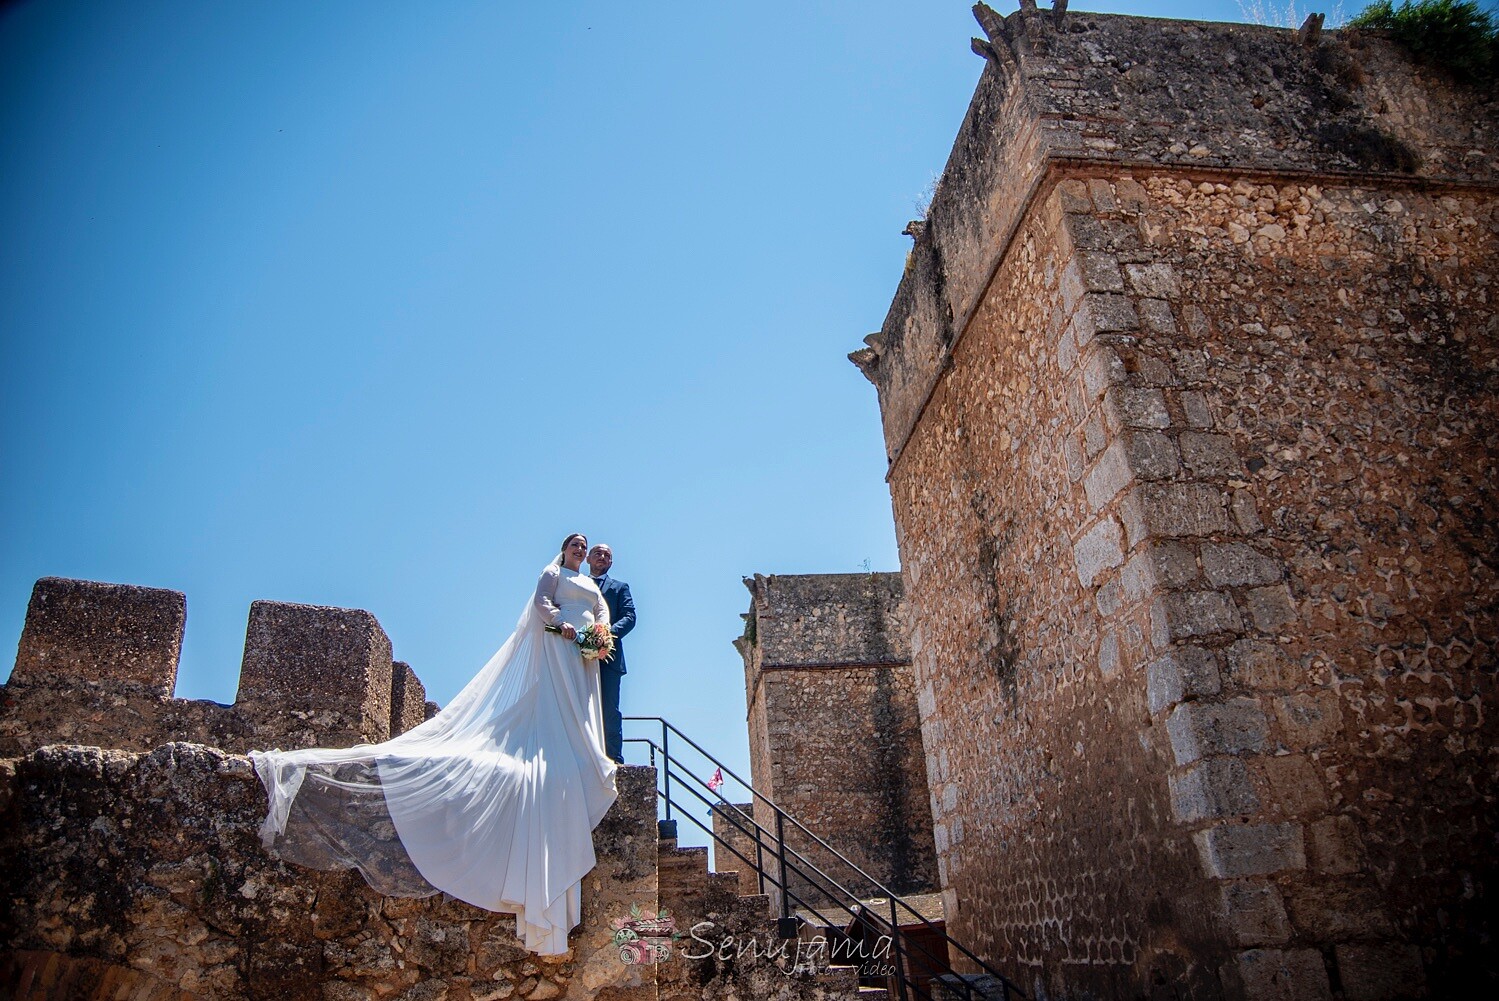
[621, 621]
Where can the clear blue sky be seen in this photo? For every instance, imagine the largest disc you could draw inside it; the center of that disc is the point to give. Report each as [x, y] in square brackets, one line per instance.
[369, 304]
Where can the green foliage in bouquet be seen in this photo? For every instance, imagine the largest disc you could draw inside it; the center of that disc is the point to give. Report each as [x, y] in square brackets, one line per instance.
[1454, 34]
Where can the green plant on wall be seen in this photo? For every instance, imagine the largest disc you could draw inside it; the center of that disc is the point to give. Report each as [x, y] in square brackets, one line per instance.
[1454, 34]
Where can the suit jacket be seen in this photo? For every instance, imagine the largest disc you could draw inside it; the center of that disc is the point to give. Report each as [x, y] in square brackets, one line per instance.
[621, 618]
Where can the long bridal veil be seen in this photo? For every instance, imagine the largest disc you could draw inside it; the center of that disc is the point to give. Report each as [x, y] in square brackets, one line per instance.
[492, 801]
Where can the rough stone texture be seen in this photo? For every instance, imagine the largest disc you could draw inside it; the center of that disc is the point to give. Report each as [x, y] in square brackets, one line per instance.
[312, 676]
[147, 868]
[408, 699]
[1235, 291]
[834, 733]
[106, 632]
[734, 833]
[728, 950]
[306, 659]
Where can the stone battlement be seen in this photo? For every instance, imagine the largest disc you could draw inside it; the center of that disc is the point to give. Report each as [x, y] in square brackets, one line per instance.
[824, 620]
[97, 665]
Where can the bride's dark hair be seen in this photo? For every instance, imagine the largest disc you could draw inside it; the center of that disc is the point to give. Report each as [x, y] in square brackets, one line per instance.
[576, 535]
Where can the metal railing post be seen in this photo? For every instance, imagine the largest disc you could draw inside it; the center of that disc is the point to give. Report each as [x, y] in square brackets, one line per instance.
[759, 853]
[781, 862]
[666, 772]
[900, 963]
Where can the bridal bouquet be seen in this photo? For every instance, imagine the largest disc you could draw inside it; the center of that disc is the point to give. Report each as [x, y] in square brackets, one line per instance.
[596, 642]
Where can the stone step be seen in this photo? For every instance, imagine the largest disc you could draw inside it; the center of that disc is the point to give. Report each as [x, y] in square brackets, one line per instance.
[724, 882]
[682, 877]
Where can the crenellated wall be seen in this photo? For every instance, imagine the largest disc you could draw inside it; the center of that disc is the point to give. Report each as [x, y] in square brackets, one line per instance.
[97, 665]
[1189, 398]
[134, 868]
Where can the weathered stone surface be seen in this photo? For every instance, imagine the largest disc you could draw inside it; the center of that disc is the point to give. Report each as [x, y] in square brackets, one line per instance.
[1284, 975]
[1255, 914]
[1233, 564]
[1183, 673]
[1202, 728]
[1309, 337]
[105, 632]
[1261, 664]
[149, 866]
[1380, 972]
[832, 705]
[1345, 908]
[73, 703]
[1109, 475]
[1098, 550]
[302, 659]
[408, 699]
[1232, 850]
[1213, 787]
[1334, 847]
[826, 620]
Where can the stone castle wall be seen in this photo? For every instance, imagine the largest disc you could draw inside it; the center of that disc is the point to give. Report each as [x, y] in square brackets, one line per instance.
[834, 734]
[133, 865]
[141, 875]
[97, 665]
[1188, 393]
[137, 870]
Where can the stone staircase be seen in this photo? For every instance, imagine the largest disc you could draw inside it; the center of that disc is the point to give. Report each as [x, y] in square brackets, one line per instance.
[748, 960]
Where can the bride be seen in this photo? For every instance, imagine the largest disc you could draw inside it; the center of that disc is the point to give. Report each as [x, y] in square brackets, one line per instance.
[493, 800]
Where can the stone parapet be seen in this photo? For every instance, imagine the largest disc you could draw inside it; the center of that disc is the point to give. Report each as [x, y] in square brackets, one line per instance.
[308, 661]
[97, 664]
[825, 620]
[1107, 92]
[408, 699]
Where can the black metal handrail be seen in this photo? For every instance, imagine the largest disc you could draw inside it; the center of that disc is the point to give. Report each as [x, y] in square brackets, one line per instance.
[788, 857]
[667, 728]
[858, 911]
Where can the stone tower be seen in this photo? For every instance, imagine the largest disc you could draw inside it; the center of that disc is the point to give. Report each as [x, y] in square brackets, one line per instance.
[834, 734]
[1188, 396]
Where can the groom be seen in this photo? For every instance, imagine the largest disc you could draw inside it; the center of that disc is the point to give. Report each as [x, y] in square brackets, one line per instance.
[621, 621]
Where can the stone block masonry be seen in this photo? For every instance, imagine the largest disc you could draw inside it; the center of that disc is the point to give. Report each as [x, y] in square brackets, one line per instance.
[302, 659]
[834, 734]
[142, 876]
[97, 664]
[1188, 394]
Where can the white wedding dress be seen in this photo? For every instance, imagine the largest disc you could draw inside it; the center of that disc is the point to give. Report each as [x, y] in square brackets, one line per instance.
[493, 800]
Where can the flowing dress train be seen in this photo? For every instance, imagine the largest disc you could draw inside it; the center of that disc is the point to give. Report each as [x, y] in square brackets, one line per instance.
[493, 800]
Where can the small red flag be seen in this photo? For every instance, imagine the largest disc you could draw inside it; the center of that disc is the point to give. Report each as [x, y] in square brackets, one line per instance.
[716, 780]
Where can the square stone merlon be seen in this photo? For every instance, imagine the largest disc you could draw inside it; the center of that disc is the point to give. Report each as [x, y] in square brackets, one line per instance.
[408, 699]
[87, 630]
[314, 659]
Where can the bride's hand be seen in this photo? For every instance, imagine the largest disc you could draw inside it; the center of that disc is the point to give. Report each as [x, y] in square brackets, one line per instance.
[569, 632]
